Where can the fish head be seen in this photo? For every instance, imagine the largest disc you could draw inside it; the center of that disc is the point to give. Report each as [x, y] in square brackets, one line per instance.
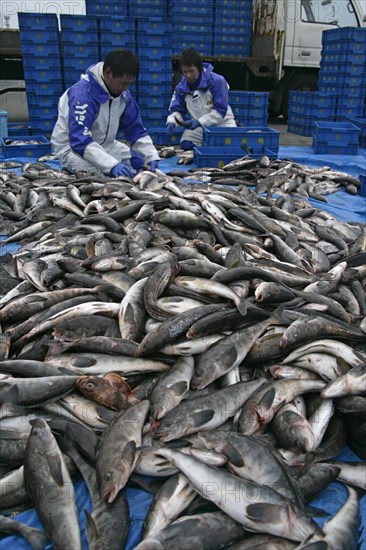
[112, 479]
[41, 436]
[90, 386]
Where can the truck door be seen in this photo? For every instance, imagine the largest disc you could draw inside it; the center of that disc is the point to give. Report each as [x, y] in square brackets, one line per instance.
[305, 22]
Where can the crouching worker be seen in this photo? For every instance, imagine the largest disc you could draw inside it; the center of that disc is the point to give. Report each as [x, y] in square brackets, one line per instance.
[90, 114]
[203, 95]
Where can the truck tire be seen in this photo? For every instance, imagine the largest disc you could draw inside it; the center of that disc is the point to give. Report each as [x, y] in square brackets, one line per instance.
[301, 81]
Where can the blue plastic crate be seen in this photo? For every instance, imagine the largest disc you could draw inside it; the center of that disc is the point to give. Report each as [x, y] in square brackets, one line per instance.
[344, 113]
[109, 42]
[37, 21]
[152, 101]
[249, 111]
[160, 136]
[345, 33]
[194, 7]
[258, 136]
[153, 26]
[42, 101]
[242, 36]
[341, 89]
[336, 133]
[106, 7]
[255, 99]
[231, 50]
[43, 61]
[78, 49]
[350, 101]
[342, 67]
[300, 129]
[150, 11]
[42, 75]
[252, 121]
[41, 49]
[322, 113]
[222, 137]
[360, 122]
[343, 57]
[217, 157]
[111, 24]
[53, 87]
[78, 23]
[155, 53]
[79, 38]
[341, 78]
[10, 149]
[325, 148]
[30, 36]
[192, 18]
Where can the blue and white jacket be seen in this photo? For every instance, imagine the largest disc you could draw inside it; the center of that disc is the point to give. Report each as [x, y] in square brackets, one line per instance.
[89, 119]
[207, 102]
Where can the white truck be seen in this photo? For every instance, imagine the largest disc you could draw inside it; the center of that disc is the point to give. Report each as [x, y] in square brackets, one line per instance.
[285, 47]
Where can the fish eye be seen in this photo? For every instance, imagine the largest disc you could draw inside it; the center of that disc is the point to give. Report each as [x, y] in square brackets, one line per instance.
[89, 386]
[107, 477]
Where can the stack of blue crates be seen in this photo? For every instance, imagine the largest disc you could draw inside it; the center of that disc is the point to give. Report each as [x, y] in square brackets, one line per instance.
[192, 25]
[116, 33]
[39, 38]
[233, 28]
[148, 8]
[249, 108]
[117, 8]
[335, 138]
[307, 107]
[154, 86]
[343, 70]
[80, 45]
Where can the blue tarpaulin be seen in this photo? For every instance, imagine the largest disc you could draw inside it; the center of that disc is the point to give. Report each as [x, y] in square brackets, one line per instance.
[344, 207]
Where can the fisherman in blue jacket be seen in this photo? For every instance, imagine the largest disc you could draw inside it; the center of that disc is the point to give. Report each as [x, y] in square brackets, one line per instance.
[92, 111]
[202, 94]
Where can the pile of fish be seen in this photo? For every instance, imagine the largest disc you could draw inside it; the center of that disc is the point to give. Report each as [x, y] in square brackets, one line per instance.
[209, 335]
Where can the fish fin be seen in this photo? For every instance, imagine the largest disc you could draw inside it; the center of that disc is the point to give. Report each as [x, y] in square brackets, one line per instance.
[9, 395]
[129, 452]
[268, 398]
[37, 539]
[55, 466]
[90, 527]
[179, 388]
[233, 456]
[242, 307]
[263, 512]
[200, 418]
[317, 512]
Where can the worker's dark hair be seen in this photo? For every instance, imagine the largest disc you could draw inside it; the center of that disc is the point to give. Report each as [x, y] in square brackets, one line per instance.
[191, 57]
[122, 62]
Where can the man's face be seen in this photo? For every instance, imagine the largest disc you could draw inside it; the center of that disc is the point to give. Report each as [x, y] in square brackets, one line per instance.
[117, 85]
[191, 73]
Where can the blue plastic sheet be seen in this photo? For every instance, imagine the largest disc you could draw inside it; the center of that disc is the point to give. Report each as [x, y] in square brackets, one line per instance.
[344, 207]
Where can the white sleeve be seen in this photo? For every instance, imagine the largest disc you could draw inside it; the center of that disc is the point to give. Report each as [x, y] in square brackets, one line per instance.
[211, 119]
[173, 117]
[146, 148]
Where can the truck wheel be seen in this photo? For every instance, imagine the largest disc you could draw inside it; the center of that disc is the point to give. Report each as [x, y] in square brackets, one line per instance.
[302, 81]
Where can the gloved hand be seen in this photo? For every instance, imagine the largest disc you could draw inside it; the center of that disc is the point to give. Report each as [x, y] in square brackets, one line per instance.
[153, 165]
[170, 127]
[193, 124]
[136, 160]
[121, 170]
